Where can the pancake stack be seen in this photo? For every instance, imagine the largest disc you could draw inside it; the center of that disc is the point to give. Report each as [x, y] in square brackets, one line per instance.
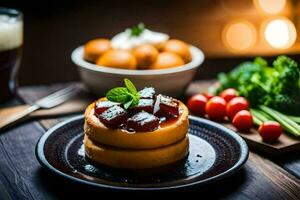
[120, 148]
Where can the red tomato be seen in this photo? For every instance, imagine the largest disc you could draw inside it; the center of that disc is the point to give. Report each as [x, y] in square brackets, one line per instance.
[208, 95]
[229, 94]
[216, 108]
[270, 131]
[243, 120]
[196, 104]
[235, 105]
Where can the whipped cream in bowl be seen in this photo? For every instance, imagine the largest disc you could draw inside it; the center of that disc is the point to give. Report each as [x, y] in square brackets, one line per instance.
[171, 81]
[136, 36]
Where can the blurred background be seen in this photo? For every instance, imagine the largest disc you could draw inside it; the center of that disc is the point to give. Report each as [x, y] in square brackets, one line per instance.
[228, 31]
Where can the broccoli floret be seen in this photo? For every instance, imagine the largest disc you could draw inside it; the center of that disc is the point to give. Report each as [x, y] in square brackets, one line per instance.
[260, 61]
[286, 77]
[277, 86]
[237, 78]
[286, 103]
[249, 78]
[285, 87]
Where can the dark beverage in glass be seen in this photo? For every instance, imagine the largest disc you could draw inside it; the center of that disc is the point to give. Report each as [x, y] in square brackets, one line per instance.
[11, 42]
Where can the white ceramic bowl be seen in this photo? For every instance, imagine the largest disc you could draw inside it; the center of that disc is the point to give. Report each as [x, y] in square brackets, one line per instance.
[172, 81]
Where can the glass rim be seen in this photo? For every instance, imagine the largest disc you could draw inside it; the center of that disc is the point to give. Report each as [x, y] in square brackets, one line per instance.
[11, 11]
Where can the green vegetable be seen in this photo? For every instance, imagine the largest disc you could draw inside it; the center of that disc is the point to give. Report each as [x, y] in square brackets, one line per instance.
[128, 104]
[129, 85]
[256, 117]
[295, 119]
[260, 115]
[268, 114]
[288, 124]
[276, 86]
[286, 86]
[137, 30]
[250, 79]
[118, 94]
[128, 95]
[257, 121]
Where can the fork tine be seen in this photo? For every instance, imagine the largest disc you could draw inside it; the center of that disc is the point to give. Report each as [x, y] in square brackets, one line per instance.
[60, 99]
[55, 94]
[58, 96]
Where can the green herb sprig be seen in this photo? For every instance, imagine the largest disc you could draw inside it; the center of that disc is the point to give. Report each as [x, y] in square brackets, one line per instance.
[127, 95]
[137, 30]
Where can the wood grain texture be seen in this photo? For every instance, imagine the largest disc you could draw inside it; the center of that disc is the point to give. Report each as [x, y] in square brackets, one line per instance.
[268, 181]
[30, 94]
[290, 162]
[287, 185]
[259, 179]
[285, 144]
[75, 105]
[9, 118]
[21, 176]
[18, 163]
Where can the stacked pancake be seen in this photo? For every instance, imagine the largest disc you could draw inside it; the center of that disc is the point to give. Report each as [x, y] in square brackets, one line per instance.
[121, 148]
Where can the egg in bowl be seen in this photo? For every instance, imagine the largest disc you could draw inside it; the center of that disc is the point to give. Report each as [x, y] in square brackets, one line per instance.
[138, 48]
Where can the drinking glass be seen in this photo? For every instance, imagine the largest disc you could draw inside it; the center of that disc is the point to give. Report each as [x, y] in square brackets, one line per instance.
[11, 43]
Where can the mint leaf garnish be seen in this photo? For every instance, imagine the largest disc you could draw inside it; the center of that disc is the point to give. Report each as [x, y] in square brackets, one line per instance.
[128, 104]
[135, 99]
[130, 87]
[118, 94]
[137, 30]
[128, 95]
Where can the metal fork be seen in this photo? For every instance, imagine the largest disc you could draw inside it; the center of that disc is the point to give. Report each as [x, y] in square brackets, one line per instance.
[45, 103]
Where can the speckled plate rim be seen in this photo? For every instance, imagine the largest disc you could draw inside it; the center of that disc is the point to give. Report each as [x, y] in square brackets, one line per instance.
[244, 153]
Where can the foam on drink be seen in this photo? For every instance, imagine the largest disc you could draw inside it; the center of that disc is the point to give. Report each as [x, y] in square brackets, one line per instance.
[11, 33]
[11, 40]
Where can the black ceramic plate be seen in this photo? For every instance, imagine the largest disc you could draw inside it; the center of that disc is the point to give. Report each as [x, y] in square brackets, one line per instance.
[215, 152]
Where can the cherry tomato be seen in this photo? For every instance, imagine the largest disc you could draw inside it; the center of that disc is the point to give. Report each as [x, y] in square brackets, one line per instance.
[208, 95]
[270, 131]
[243, 120]
[229, 94]
[235, 105]
[216, 108]
[196, 104]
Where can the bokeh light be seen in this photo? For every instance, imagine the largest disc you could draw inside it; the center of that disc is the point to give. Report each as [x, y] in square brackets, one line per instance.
[239, 35]
[270, 6]
[280, 33]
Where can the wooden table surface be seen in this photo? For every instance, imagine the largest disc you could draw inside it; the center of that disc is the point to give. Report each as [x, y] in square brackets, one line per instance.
[21, 176]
